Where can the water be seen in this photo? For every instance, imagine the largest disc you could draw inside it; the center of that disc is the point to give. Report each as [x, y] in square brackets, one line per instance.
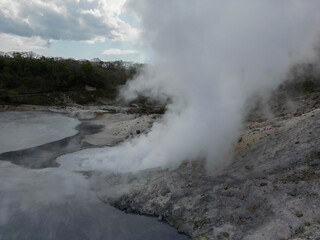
[55, 203]
[21, 130]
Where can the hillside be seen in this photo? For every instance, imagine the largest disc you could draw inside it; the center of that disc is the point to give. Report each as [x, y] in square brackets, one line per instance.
[32, 79]
[270, 190]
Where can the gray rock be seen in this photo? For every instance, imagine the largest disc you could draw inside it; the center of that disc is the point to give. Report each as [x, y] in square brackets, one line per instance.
[235, 201]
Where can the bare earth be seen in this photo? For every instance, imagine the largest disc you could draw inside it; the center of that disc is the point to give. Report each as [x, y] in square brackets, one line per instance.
[270, 191]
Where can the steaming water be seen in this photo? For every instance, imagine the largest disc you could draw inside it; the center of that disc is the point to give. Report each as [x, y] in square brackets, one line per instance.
[54, 203]
[82, 161]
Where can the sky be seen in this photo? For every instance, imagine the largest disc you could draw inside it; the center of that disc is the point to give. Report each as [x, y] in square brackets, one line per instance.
[80, 29]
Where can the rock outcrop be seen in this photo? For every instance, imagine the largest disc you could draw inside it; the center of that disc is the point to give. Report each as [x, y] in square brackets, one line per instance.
[270, 191]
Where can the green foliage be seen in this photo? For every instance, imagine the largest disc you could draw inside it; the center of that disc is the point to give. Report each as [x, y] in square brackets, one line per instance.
[48, 75]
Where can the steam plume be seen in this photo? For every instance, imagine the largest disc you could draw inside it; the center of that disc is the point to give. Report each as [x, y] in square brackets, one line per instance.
[211, 56]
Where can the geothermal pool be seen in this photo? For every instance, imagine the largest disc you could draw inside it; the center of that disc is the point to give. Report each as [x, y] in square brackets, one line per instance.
[21, 130]
[57, 203]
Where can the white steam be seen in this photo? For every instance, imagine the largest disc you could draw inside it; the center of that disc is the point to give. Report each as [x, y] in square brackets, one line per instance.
[211, 56]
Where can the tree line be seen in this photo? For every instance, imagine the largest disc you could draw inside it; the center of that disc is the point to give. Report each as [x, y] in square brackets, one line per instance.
[27, 75]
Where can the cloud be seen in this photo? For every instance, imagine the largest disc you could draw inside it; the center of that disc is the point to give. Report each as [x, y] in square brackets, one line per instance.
[85, 20]
[9, 42]
[117, 52]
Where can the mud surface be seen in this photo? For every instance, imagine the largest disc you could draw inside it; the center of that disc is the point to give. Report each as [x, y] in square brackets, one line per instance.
[96, 129]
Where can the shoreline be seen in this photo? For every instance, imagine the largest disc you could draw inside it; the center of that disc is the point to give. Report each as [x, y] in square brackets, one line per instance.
[272, 180]
[26, 158]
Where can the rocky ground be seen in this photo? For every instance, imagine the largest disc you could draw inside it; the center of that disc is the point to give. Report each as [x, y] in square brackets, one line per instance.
[270, 191]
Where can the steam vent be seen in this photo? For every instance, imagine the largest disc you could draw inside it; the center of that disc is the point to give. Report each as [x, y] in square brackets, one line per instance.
[162, 120]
